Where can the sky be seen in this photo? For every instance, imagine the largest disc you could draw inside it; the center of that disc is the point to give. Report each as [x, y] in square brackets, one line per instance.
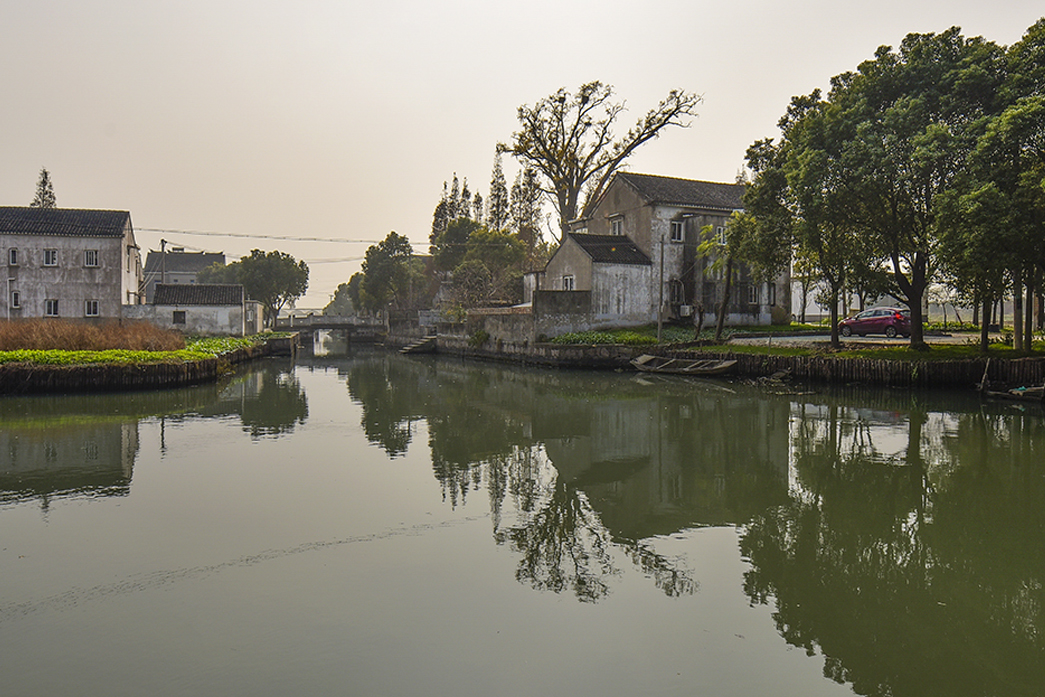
[227, 125]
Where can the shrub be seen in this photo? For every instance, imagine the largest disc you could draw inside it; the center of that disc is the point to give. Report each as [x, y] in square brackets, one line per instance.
[81, 336]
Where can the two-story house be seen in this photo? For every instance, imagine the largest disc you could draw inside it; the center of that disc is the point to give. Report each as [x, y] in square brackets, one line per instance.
[71, 263]
[176, 267]
[637, 252]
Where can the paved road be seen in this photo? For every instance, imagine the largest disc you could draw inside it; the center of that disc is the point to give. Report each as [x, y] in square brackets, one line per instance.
[806, 340]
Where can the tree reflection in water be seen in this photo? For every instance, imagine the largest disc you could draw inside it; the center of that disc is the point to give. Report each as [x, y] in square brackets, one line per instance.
[918, 571]
[543, 444]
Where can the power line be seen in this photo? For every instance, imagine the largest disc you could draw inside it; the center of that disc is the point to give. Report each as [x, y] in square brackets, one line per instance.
[293, 238]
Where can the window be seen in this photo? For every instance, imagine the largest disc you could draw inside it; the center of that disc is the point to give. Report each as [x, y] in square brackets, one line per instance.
[617, 226]
[678, 292]
[50, 257]
[567, 282]
[678, 231]
[179, 317]
[16, 299]
[752, 294]
[50, 307]
[720, 235]
[90, 257]
[12, 257]
[772, 293]
[90, 308]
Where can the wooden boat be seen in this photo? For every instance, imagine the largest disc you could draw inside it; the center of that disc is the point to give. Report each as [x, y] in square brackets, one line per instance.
[1034, 395]
[682, 366]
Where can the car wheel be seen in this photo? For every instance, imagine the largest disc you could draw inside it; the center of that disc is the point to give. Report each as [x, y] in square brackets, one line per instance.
[846, 331]
[890, 332]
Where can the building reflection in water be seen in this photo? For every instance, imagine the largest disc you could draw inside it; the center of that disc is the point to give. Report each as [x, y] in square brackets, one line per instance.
[86, 445]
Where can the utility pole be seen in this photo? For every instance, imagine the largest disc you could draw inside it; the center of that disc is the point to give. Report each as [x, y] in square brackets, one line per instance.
[163, 261]
[660, 292]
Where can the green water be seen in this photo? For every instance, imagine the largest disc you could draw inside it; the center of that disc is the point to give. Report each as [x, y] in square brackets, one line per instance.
[372, 524]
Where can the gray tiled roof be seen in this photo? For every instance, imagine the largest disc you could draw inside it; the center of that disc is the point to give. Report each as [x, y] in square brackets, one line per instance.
[182, 262]
[71, 222]
[685, 192]
[198, 294]
[610, 249]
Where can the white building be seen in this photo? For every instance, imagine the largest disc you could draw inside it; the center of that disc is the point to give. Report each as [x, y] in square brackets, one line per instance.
[70, 263]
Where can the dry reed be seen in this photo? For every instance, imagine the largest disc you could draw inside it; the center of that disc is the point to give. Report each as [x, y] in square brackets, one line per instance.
[46, 334]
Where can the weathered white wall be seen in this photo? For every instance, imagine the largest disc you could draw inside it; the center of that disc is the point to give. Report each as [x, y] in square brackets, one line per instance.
[621, 294]
[203, 320]
[569, 258]
[69, 282]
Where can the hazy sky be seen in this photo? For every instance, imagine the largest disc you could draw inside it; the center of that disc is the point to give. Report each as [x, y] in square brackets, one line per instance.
[342, 119]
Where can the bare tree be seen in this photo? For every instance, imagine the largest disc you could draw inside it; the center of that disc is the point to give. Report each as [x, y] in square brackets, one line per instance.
[568, 139]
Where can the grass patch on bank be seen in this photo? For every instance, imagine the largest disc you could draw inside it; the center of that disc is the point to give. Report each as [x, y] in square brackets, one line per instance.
[672, 334]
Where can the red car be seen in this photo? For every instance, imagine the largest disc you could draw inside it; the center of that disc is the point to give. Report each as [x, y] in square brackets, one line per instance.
[891, 321]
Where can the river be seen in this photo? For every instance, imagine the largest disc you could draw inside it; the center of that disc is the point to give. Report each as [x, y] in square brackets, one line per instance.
[363, 523]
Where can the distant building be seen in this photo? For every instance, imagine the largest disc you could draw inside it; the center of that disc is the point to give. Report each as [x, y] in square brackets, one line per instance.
[637, 251]
[176, 267]
[204, 309]
[69, 263]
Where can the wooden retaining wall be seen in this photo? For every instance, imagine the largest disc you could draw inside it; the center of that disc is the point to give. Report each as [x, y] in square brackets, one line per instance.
[955, 373]
[871, 371]
[32, 379]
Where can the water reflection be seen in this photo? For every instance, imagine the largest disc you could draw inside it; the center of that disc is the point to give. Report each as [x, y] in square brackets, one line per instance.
[577, 465]
[915, 535]
[86, 445]
[897, 534]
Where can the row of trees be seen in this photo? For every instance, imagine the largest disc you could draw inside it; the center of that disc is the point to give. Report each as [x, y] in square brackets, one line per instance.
[925, 164]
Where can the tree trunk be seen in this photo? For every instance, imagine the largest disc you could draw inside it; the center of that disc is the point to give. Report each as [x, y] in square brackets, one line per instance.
[985, 340]
[1017, 310]
[1028, 323]
[725, 300]
[835, 342]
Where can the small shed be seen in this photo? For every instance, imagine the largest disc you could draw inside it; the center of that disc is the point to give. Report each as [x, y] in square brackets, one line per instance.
[205, 309]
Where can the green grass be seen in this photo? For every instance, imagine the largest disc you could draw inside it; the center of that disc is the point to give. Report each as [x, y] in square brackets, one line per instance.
[195, 350]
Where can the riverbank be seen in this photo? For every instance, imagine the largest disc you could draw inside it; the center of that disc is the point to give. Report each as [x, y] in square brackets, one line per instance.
[825, 368]
[35, 378]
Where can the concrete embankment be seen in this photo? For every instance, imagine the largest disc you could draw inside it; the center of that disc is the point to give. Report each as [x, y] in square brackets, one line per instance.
[24, 378]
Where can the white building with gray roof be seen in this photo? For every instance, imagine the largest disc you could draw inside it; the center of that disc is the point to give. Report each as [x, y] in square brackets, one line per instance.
[68, 263]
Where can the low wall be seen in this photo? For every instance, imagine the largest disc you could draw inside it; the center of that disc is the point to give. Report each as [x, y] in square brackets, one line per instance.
[549, 355]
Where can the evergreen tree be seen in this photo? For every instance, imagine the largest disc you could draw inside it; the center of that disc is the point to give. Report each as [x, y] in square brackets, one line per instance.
[477, 207]
[525, 207]
[464, 209]
[497, 202]
[454, 202]
[44, 191]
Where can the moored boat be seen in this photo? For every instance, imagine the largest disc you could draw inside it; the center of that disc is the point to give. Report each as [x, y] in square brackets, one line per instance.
[682, 366]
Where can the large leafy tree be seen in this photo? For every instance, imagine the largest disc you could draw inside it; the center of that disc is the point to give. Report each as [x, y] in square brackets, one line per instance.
[901, 131]
[272, 278]
[44, 197]
[386, 273]
[568, 139]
